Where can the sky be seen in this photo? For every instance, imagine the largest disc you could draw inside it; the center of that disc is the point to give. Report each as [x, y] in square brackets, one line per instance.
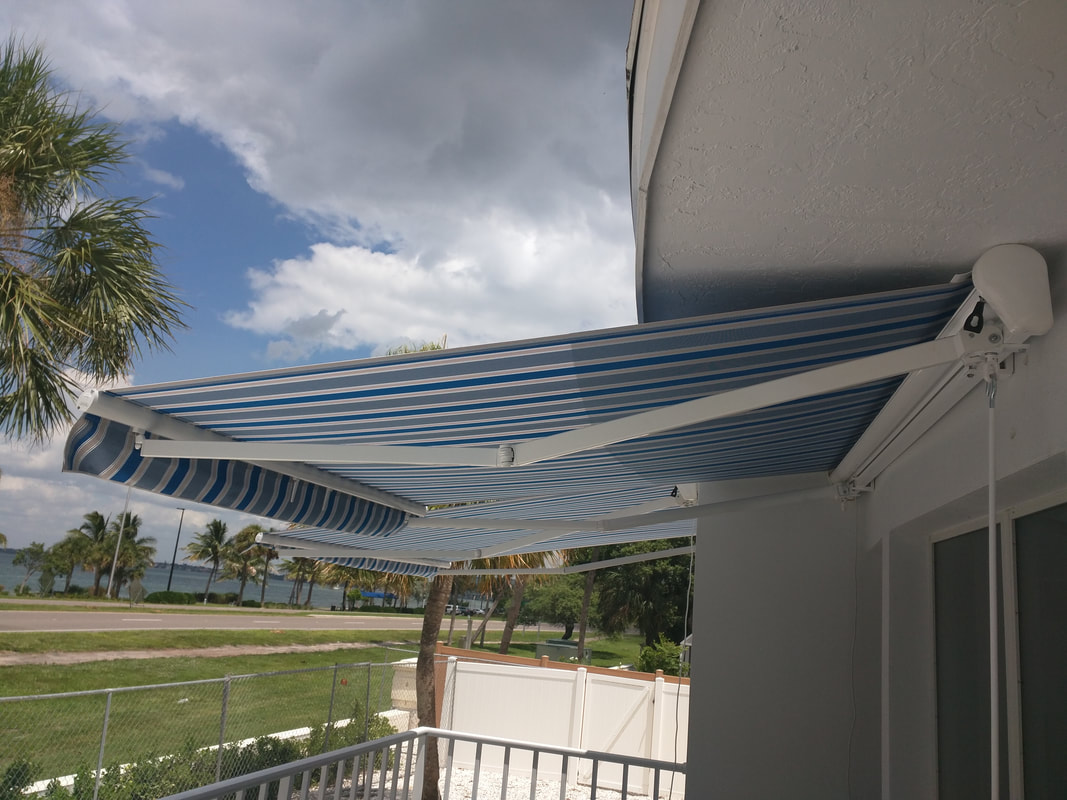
[332, 179]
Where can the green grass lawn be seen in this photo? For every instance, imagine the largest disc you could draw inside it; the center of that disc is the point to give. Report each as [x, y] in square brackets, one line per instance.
[98, 641]
[99, 604]
[63, 734]
[607, 652]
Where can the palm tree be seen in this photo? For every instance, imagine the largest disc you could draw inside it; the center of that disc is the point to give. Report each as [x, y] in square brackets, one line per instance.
[242, 560]
[495, 585]
[587, 595]
[68, 553]
[425, 677]
[95, 554]
[136, 553]
[3, 540]
[210, 545]
[300, 571]
[268, 554]
[79, 284]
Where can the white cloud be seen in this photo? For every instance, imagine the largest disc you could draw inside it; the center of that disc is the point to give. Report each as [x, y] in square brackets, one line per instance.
[163, 178]
[491, 287]
[482, 145]
[486, 143]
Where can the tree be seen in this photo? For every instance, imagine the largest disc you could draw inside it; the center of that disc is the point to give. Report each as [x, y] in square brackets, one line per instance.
[94, 549]
[80, 288]
[301, 571]
[425, 691]
[583, 556]
[32, 559]
[557, 600]
[135, 553]
[268, 554]
[243, 558]
[648, 594]
[3, 540]
[210, 546]
[440, 589]
[518, 584]
[67, 554]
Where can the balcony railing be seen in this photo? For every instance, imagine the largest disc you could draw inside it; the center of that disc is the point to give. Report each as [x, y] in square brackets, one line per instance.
[394, 767]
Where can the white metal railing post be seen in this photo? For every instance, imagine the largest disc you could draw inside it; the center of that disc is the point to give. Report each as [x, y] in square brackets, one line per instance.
[658, 724]
[420, 765]
[577, 731]
[103, 743]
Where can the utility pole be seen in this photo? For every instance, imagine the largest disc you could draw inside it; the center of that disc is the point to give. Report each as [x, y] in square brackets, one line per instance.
[123, 521]
[175, 556]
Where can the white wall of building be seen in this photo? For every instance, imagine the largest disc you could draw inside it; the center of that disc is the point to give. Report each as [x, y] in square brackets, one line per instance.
[813, 660]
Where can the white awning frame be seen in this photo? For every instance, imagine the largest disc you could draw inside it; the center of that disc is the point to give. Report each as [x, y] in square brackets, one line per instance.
[572, 569]
[960, 346]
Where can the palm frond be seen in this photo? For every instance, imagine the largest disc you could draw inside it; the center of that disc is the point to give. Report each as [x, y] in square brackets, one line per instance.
[80, 286]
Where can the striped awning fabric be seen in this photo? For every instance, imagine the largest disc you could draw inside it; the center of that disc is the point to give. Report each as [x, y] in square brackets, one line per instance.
[518, 391]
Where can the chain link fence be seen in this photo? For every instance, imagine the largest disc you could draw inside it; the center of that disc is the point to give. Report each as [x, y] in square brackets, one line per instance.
[154, 740]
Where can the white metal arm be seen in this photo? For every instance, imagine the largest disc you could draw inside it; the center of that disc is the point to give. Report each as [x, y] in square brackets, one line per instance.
[724, 404]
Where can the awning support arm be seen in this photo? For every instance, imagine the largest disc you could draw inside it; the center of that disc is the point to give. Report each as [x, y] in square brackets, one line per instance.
[303, 548]
[762, 395]
[635, 426]
[622, 523]
[571, 569]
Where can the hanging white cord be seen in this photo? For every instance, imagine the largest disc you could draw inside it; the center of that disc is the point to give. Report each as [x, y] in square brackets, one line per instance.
[994, 667]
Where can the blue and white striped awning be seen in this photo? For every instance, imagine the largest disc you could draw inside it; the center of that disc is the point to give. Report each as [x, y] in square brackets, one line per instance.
[473, 398]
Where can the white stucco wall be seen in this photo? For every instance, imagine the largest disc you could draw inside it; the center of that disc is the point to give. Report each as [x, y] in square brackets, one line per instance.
[771, 696]
[793, 620]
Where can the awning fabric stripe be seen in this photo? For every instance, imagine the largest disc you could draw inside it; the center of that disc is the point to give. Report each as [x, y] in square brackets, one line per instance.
[100, 447]
[381, 565]
[507, 393]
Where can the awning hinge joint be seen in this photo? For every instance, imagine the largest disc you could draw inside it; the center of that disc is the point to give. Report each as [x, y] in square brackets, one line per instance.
[850, 490]
[505, 456]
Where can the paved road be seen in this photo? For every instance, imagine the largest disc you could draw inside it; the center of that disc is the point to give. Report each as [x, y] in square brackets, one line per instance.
[72, 621]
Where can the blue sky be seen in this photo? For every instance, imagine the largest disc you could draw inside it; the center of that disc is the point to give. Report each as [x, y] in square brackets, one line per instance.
[331, 184]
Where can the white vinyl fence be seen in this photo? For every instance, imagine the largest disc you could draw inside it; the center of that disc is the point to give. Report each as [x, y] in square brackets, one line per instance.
[618, 714]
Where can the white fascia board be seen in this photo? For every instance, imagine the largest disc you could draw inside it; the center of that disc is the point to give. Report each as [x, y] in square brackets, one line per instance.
[143, 419]
[659, 39]
[762, 395]
[320, 453]
[576, 568]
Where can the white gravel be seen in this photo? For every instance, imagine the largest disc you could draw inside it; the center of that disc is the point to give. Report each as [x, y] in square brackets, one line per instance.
[462, 784]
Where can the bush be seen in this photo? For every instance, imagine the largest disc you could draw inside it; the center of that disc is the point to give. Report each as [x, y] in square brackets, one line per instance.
[18, 775]
[172, 598]
[159, 776]
[223, 599]
[664, 655]
[250, 604]
[76, 590]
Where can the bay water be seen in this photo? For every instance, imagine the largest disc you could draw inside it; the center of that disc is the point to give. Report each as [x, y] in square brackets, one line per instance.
[187, 578]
